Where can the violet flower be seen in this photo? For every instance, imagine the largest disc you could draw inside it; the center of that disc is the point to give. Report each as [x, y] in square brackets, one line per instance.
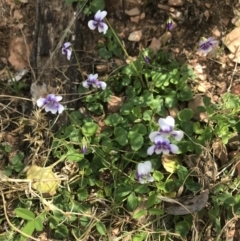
[143, 173]
[162, 145]
[67, 50]
[99, 22]
[167, 129]
[93, 80]
[51, 104]
[206, 46]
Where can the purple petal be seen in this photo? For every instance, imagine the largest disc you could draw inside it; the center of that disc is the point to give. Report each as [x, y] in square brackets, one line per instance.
[51, 108]
[60, 108]
[66, 45]
[58, 98]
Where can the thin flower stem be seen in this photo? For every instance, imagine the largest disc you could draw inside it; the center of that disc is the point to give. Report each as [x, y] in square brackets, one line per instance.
[125, 52]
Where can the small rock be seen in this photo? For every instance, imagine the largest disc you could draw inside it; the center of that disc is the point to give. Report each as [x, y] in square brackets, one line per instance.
[164, 7]
[142, 16]
[177, 15]
[165, 38]
[206, 14]
[201, 88]
[115, 103]
[207, 5]
[236, 90]
[133, 12]
[155, 45]
[135, 19]
[135, 36]
[225, 21]
[232, 41]
[102, 68]
[176, 3]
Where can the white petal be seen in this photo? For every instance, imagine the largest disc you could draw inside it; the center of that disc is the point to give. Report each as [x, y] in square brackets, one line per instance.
[58, 98]
[150, 179]
[60, 108]
[141, 180]
[102, 27]
[94, 85]
[150, 150]
[51, 109]
[66, 45]
[100, 15]
[153, 135]
[85, 84]
[159, 151]
[178, 135]
[148, 166]
[173, 148]
[69, 54]
[40, 102]
[141, 169]
[103, 85]
[92, 24]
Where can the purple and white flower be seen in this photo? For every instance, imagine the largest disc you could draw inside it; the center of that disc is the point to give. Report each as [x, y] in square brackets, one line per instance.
[167, 129]
[206, 46]
[143, 173]
[98, 22]
[93, 80]
[67, 50]
[51, 104]
[162, 145]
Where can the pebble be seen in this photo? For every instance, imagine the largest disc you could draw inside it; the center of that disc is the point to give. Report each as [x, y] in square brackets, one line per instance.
[133, 12]
[176, 3]
[135, 36]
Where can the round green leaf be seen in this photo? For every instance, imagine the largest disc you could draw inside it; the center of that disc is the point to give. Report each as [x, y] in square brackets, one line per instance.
[89, 129]
[185, 114]
[24, 213]
[136, 140]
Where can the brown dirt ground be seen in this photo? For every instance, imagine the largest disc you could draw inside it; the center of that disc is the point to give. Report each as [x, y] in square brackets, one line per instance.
[32, 32]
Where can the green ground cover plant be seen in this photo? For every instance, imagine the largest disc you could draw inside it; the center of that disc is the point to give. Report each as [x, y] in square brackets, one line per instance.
[126, 167]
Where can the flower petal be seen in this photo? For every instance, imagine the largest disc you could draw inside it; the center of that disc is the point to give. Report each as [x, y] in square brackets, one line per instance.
[92, 24]
[85, 84]
[150, 150]
[141, 169]
[148, 166]
[173, 148]
[102, 27]
[160, 150]
[58, 98]
[100, 15]
[51, 108]
[66, 45]
[153, 135]
[41, 102]
[150, 178]
[69, 53]
[60, 108]
[178, 135]
[102, 85]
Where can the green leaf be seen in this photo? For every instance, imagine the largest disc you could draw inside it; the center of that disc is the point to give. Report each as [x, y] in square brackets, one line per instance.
[122, 192]
[27, 229]
[25, 214]
[82, 194]
[121, 136]
[61, 232]
[101, 228]
[186, 94]
[74, 156]
[158, 176]
[104, 53]
[139, 188]
[171, 100]
[89, 129]
[132, 202]
[140, 128]
[185, 114]
[152, 200]
[136, 140]
[139, 213]
[156, 211]
[38, 224]
[182, 228]
[147, 115]
[113, 120]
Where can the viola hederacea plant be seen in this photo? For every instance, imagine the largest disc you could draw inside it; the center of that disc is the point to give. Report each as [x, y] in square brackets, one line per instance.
[94, 82]
[51, 103]
[206, 46]
[67, 50]
[99, 22]
[143, 173]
